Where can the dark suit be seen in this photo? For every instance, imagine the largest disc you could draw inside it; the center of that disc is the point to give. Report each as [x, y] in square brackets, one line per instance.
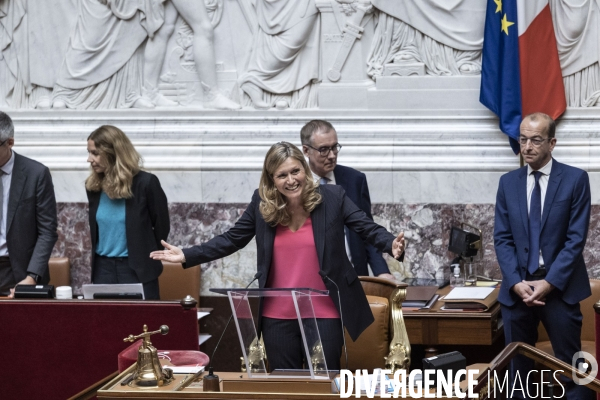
[31, 219]
[564, 228]
[328, 220]
[146, 223]
[355, 185]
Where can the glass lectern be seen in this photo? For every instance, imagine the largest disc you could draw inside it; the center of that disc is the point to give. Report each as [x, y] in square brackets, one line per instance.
[316, 367]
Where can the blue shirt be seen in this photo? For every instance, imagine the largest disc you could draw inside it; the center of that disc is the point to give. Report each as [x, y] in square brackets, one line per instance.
[112, 234]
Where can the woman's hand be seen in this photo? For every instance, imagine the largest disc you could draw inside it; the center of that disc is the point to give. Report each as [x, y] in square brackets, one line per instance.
[171, 254]
[398, 246]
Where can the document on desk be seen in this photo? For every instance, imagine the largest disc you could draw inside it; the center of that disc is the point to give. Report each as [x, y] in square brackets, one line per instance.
[202, 314]
[469, 293]
[185, 369]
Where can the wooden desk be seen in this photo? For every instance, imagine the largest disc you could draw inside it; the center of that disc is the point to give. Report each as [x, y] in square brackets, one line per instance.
[114, 391]
[435, 327]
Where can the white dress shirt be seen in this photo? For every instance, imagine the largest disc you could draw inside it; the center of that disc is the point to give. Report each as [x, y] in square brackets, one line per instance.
[545, 170]
[6, 180]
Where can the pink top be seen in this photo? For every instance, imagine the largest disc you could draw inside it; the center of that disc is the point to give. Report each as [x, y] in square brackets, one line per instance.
[296, 264]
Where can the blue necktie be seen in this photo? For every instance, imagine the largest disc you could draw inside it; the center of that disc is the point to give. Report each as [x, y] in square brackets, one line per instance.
[535, 225]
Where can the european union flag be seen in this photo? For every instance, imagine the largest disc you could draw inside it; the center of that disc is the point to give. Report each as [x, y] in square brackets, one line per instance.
[520, 73]
[500, 71]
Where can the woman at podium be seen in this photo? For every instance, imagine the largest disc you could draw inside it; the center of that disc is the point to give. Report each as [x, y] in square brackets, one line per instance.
[129, 214]
[299, 229]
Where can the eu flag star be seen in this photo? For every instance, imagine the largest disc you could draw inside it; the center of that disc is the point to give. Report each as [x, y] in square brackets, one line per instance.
[498, 5]
[505, 24]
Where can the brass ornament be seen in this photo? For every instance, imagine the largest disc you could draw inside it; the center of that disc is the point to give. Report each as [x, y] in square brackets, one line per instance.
[149, 372]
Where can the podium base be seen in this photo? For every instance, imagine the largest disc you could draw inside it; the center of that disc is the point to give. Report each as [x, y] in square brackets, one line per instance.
[243, 384]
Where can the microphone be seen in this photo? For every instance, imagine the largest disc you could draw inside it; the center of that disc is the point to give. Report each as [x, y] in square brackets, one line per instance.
[210, 368]
[324, 276]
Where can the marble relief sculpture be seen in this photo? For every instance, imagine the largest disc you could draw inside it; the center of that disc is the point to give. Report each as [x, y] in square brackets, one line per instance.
[576, 26]
[118, 54]
[283, 65]
[107, 65]
[427, 37]
[103, 65]
[200, 45]
[28, 34]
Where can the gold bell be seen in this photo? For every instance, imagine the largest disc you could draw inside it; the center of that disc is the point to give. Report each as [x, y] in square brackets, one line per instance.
[149, 372]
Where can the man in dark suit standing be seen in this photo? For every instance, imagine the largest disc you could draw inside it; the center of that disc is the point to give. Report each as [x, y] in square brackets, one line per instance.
[541, 225]
[27, 216]
[320, 145]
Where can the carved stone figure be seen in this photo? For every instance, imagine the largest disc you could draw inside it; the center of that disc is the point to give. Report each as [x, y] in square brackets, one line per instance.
[195, 14]
[576, 26]
[284, 60]
[106, 61]
[111, 53]
[30, 31]
[427, 37]
[103, 65]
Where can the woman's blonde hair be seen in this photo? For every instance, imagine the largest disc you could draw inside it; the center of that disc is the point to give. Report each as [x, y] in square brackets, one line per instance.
[122, 162]
[273, 204]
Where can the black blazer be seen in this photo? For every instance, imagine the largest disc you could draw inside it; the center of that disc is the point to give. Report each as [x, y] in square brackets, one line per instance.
[146, 223]
[31, 219]
[355, 184]
[328, 220]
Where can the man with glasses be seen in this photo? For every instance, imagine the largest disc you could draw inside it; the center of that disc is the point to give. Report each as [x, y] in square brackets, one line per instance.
[27, 216]
[541, 225]
[320, 145]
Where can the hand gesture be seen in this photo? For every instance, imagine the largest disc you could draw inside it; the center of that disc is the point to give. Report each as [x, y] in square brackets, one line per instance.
[171, 254]
[539, 290]
[523, 290]
[398, 246]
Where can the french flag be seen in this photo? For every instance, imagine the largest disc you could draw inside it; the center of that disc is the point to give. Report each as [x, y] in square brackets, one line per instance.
[520, 68]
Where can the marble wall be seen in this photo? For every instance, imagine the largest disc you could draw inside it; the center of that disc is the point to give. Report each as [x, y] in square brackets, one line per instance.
[426, 227]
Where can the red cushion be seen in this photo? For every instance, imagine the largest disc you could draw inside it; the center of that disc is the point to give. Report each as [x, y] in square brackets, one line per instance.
[177, 357]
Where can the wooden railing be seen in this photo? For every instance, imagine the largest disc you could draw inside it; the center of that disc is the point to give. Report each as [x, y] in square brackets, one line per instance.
[502, 360]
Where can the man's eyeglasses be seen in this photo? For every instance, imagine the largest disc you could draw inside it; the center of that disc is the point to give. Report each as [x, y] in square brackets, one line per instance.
[324, 151]
[534, 141]
[2, 143]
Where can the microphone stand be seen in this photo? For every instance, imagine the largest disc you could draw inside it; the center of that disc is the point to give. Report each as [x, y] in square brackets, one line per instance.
[211, 381]
[324, 276]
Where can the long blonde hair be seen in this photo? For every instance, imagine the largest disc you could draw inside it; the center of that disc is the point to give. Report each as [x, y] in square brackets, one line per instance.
[273, 205]
[122, 161]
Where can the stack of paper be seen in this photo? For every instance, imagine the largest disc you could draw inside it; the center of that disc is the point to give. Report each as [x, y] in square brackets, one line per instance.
[470, 298]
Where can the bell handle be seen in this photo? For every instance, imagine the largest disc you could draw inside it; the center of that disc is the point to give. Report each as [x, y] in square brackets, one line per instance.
[164, 329]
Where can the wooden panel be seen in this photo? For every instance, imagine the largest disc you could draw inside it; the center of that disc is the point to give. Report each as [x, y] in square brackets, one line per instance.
[461, 331]
[453, 328]
[68, 345]
[414, 328]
